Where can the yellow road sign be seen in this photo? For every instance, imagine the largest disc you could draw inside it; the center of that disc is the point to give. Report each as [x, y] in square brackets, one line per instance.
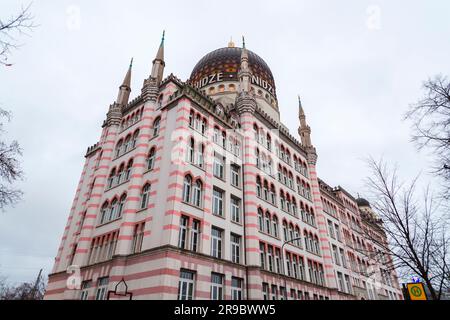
[416, 291]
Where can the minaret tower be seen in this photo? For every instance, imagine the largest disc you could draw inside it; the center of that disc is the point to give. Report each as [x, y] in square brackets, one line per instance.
[158, 63]
[125, 88]
[305, 134]
[304, 130]
[246, 105]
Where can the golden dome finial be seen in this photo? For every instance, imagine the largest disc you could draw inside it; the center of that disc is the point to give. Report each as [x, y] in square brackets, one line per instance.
[231, 43]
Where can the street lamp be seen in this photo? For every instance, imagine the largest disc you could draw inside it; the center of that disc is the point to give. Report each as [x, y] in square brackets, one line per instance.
[282, 261]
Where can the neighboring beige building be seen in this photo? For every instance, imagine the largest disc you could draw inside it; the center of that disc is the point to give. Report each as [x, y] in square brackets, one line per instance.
[196, 190]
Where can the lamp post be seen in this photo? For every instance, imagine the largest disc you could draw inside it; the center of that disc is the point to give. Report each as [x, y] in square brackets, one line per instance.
[282, 261]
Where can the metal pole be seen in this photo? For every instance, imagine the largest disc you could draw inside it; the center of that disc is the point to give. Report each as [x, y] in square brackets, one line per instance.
[282, 262]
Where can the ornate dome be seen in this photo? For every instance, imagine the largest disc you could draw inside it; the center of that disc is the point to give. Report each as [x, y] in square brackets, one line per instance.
[362, 202]
[223, 65]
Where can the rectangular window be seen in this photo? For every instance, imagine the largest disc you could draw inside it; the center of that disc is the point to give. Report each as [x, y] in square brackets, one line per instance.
[216, 243]
[138, 237]
[218, 168]
[195, 235]
[283, 295]
[262, 250]
[265, 287]
[235, 175]
[349, 285]
[85, 286]
[183, 232]
[336, 256]
[235, 209]
[218, 202]
[341, 282]
[270, 258]
[277, 261]
[235, 248]
[186, 285]
[236, 288]
[301, 269]
[299, 295]
[216, 286]
[330, 229]
[338, 232]
[274, 292]
[344, 261]
[102, 288]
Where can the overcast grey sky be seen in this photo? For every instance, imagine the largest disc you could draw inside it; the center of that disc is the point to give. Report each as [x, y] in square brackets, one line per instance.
[357, 67]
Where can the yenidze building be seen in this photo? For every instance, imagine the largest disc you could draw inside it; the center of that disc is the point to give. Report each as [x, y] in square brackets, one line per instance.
[196, 190]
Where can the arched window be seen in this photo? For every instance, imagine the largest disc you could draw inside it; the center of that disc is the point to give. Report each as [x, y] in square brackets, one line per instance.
[187, 189]
[269, 142]
[297, 236]
[145, 195]
[119, 148]
[275, 226]
[121, 174]
[121, 205]
[204, 126]
[127, 145]
[258, 161]
[156, 126]
[198, 120]
[114, 210]
[111, 178]
[129, 168]
[291, 232]
[285, 231]
[201, 155]
[151, 159]
[191, 119]
[198, 187]
[135, 138]
[258, 186]
[256, 131]
[224, 140]
[305, 236]
[266, 190]
[283, 201]
[216, 134]
[190, 153]
[267, 223]
[260, 220]
[104, 213]
[273, 195]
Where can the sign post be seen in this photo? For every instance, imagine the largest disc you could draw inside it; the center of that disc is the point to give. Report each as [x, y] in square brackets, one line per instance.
[416, 291]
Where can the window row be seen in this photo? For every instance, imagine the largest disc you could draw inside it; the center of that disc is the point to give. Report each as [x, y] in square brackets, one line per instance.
[270, 292]
[232, 144]
[127, 144]
[190, 235]
[131, 119]
[187, 284]
[101, 290]
[103, 247]
[120, 175]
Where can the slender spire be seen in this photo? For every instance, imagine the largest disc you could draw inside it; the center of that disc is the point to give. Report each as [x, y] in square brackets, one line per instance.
[158, 63]
[127, 80]
[245, 73]
[125, 88]
[304, 130]
[243, 42]
[300, 106]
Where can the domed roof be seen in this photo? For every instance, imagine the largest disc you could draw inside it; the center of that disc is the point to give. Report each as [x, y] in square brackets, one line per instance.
[362, 202]
[227, 61]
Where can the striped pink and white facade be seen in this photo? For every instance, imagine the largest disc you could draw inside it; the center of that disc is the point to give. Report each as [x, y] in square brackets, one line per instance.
[141, 244]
